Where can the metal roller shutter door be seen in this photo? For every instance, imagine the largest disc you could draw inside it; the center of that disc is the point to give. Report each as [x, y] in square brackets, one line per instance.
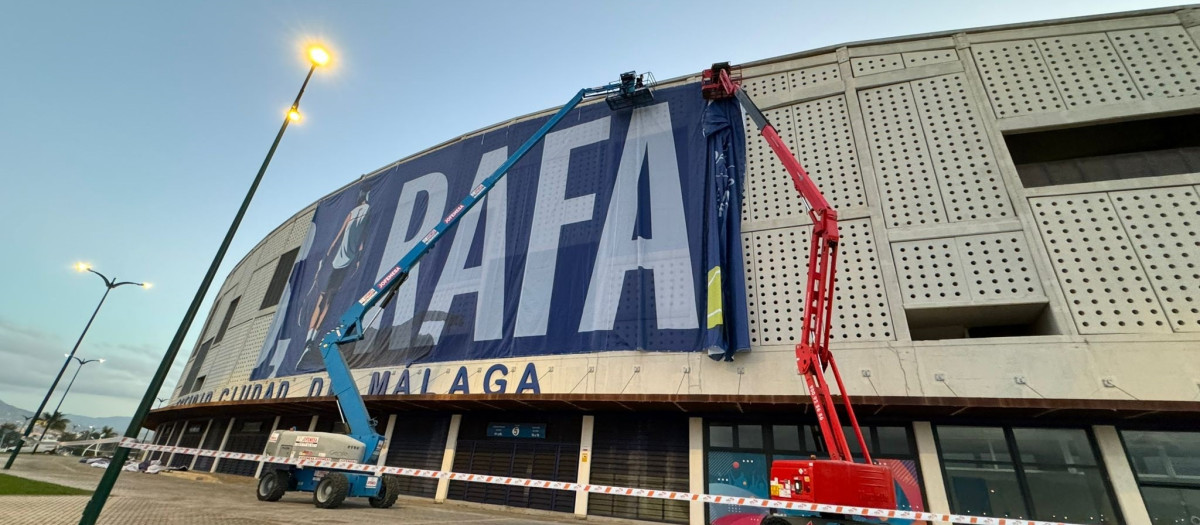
[418, 441]
[647, 452]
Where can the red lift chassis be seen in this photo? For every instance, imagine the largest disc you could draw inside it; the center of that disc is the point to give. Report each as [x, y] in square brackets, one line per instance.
[838, 480]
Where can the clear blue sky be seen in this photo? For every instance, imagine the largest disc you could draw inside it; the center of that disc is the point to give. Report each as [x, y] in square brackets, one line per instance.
[129, 131]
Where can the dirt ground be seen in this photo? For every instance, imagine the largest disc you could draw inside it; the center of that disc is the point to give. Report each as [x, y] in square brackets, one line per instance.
[202, 498]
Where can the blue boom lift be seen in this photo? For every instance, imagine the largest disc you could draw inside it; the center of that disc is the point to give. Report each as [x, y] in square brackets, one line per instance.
[361, 443]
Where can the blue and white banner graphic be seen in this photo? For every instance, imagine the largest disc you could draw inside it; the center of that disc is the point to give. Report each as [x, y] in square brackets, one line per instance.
[619, 231]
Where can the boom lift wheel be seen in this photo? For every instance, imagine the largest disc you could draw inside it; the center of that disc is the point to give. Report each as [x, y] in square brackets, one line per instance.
[272, 485]
[387, 494]
[331, 491]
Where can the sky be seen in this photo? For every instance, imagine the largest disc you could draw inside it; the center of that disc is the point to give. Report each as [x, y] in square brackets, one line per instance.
[130, 131]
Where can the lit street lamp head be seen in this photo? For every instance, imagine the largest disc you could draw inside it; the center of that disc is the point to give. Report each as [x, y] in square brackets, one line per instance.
[318, 55]
[293, 115]
[82, 267]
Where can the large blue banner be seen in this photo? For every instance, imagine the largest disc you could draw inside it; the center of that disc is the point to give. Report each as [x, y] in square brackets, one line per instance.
[619, 231]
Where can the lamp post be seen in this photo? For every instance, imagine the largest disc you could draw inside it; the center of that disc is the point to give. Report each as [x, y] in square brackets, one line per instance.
[109, 285]
[64, 396]
[317, 56]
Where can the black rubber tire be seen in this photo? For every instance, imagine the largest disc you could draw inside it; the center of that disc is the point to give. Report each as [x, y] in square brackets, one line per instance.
[272, 485]
[775, 520]
[331, 491]
[387, 493]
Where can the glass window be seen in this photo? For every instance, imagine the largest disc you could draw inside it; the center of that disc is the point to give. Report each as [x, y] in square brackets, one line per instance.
[1167, 465]
[1070, 494]
[1044, 446]
[972, 443]
[1026, 473]
[750, 436]
[893, 441]
[720, 436]
[786, 437]
[985, 489]
[1171, 505]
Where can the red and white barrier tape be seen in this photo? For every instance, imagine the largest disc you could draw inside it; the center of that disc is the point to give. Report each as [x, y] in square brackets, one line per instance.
[311, 462]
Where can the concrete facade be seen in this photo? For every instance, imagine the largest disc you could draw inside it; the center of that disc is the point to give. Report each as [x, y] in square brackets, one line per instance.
[907, 138]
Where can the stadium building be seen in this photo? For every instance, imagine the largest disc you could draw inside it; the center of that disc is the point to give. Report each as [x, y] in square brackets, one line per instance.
[1018, 299]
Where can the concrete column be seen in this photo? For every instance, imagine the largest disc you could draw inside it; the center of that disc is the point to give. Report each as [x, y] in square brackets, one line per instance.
[387, 440]
[696, 468]
[930, 464]
[178, 439]
[224, 440]
[1124, 482]
[443, 486]
[312, 424]
[203, 437]
[274, 427]
[585, 465]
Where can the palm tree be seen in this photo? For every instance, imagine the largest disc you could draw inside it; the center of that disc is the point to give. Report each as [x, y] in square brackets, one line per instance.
[107, 432]
[54, 421]
[6, 429]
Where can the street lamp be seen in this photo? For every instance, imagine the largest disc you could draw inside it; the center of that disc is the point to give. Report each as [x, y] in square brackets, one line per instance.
[64, 396]
[317, 56]
[109, 285]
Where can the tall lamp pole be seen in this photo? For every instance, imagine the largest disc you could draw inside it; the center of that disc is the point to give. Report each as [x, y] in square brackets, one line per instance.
[64, 396]
[317, 57]
[109, 285]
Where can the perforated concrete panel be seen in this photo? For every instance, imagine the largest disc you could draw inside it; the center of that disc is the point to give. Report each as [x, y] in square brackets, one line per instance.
[814, 76]
[931, 272]
[1096, 265]
[998, 266]
[766, 178]
[1016, 78]
[1087, 70]
[821, 139]
[1164, 61]
[863, 66]
[970, 183]
[906, 176]
[781, 271]
[924, 58]
[766, 85]
[1164, 225]
[248, 357]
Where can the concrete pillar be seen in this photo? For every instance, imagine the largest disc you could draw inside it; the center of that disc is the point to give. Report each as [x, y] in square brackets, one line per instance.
[696, 468]
[443, 486]
[312, 424]
[224, 440]
[178, 439]
[387, 440]
[274, 426]
[203, 437]
[930, 464]
[1120, 474]
[585, 465]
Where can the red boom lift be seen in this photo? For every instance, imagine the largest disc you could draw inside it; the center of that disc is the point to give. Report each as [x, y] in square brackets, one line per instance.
[838, 480]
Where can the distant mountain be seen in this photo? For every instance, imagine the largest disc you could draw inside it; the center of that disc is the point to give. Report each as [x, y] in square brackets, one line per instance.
[17, 415]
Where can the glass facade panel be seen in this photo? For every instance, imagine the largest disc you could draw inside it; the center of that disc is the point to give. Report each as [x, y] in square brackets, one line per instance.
[787, 437]
[720, 436]
[1046, 474]
[1167, 465]
[972, 443]
[1172, 506]
[985, 489]
[1049, 446]
[1070, 494]
[892, 440]
[750, 436]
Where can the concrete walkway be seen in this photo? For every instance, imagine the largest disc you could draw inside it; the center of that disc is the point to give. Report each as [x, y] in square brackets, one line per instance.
[201, 498]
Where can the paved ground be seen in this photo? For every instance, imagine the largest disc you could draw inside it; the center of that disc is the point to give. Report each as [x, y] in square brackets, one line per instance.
[225, 500]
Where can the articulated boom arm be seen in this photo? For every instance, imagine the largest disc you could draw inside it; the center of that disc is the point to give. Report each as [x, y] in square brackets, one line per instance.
[812, 352]
[631, 90]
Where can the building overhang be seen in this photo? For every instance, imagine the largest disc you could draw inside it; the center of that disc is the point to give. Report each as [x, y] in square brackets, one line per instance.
[1089, 411]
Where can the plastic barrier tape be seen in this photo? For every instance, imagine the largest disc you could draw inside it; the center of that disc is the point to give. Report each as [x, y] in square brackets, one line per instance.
[562, 485]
